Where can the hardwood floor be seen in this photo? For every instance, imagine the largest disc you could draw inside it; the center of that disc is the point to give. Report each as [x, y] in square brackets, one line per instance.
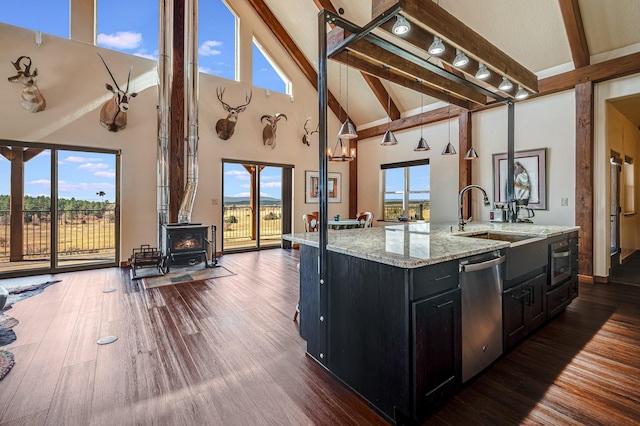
[226, 351]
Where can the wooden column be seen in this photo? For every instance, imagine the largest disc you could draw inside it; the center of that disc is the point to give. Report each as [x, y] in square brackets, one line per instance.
[17, 204]
[176, 139]
[253, 196]
[464, 144]
[584, 175]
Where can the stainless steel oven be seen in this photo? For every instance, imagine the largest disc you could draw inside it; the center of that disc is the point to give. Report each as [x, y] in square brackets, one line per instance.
[559, 262]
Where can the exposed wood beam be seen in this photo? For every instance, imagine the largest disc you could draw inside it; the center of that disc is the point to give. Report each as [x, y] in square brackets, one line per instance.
[176, 139]
[575, 32]
[6, 152]
[378, 56]
[614, 68]
[292, 49]
[375, 84]
[464, 166]
[441, 23]
[29, 153]
[400, 79]
[404, 123]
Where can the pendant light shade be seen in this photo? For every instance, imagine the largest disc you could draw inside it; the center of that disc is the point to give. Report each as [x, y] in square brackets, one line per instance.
[436, 47]
[422, 145]
[402, 26]
[471, 154]
[483, 72]
[521, 93]
[449, 150]
[389, 138]
[505, 85]
[347, 131]
[460, 60]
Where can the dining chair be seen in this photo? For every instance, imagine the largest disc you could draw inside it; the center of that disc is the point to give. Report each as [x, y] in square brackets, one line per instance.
[365, 218]
[310, 221]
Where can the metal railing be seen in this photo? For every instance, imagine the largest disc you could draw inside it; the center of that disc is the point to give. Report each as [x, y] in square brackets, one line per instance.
[79, 232]
[238, 222]
[417, 211]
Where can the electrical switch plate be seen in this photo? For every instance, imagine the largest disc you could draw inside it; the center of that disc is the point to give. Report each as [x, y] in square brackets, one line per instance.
[564, 202]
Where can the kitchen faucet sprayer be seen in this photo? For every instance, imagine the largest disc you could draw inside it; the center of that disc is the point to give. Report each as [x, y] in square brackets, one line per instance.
[461, 221]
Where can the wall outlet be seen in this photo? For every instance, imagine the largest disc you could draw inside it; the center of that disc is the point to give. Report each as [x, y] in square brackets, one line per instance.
[214, 201]
[564, 202]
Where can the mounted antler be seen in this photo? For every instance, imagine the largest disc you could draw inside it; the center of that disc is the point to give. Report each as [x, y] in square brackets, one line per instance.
[306, 138]
[226, 126]
[269, 131]
[113, 114]
[31, 99]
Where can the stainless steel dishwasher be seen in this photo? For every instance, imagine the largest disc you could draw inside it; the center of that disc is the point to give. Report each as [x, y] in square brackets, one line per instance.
[481, 291]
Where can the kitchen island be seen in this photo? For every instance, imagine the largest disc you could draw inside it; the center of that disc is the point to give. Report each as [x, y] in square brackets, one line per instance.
[388, 320]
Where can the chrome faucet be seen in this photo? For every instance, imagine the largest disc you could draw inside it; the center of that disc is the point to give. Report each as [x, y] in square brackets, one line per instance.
[461, 221]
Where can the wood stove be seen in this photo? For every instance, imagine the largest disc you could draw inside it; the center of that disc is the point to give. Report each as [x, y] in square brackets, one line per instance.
[185, 244]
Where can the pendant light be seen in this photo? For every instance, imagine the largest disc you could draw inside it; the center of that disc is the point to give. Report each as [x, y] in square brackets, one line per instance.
[521, 93]
[505, 85]
[422, 144]
[483, 72]
[347, 131]
[460, 60]
[449, 149]
[340, 150]
[471, 154]
[389, 138]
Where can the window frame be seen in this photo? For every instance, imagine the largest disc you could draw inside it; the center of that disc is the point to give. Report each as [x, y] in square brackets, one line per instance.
[406, 192]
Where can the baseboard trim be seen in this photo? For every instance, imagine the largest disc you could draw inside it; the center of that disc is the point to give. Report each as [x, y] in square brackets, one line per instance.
[600, 280]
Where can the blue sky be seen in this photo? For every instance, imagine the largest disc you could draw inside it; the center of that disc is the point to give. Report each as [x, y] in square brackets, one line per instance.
[237, 181]
[124, 27]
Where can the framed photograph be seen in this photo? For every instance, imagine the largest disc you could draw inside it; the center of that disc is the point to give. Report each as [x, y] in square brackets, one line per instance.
[312, 183]
[529, 175]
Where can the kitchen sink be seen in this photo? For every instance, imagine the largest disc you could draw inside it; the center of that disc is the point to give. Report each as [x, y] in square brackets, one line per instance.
[510, 237]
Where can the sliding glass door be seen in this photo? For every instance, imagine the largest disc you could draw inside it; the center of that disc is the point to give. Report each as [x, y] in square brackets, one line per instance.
[254, 206]
[58, 209]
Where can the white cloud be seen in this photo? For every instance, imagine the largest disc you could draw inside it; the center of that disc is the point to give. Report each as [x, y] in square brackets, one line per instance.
[73, 188]
[45, 182]
[143, 54]
[93, 166]
[75, 159]
[238, 174]
[108, 174]
[271, 184]
[207, 48]
[205, 70]
[242, 194]
[120, 40]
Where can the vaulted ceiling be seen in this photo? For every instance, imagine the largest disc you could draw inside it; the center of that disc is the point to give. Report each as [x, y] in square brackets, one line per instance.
[548, 37]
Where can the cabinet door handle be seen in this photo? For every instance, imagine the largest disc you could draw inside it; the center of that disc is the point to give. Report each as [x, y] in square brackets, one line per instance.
[562, 299]
[562, 254]
[532, 292]
[442, 278]
[448, 302]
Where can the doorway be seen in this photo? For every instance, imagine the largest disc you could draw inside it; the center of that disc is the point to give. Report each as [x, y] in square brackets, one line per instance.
[59, 209]
[256, 205]
[615, 165]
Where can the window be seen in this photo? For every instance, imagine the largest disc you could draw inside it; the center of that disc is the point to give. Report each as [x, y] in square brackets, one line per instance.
[122, 27]
[265, 73]
[407, 190]
[217, 39]
[48, 16]
[629, 186]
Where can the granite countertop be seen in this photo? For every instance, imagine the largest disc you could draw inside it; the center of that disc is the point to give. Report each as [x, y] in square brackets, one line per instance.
[414, 245]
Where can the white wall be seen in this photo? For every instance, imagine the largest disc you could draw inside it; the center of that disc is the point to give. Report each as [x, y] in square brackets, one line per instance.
[72, 79]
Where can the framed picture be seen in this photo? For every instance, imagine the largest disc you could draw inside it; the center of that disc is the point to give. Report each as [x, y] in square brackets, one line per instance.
[529, 175]
[312, 184]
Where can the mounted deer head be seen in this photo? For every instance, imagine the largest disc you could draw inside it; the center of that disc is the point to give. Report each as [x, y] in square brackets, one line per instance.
[306, 138]
[113, 114]
[269, 131]
[31, 98]
[226, 126]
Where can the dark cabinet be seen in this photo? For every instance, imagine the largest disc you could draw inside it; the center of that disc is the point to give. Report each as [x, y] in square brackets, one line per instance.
[523, 309]
[437, 349]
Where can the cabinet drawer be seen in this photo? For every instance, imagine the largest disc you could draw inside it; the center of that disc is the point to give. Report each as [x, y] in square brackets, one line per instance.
[559, 298]
[433, 279]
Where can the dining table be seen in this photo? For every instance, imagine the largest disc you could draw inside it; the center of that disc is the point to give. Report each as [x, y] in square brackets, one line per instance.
[343, 224]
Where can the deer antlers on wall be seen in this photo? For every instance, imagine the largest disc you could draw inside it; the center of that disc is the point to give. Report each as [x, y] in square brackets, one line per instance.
[226, 126]
[269, 131]
[31, 98]
[306, 138]
[113, 114]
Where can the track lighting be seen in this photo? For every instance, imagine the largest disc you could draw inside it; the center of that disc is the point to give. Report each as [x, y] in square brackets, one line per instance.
[521, 93]
[461, 59]
[436, 47]
[402, 26]
[505, 85]
[483, 72]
